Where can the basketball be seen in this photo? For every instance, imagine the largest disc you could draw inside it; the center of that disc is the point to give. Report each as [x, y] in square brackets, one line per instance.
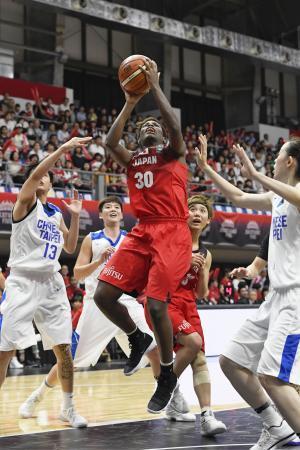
[131, 77]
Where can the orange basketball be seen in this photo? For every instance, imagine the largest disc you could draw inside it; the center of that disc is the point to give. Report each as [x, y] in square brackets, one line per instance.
[131, 77]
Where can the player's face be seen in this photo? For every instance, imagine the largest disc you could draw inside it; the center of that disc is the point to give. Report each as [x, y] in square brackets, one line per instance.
[281, 164]
[198, 218]
[44, 185]
[151, 133]
[111, 213]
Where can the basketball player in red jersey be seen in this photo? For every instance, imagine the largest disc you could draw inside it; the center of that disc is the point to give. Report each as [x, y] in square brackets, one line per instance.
[155, 255]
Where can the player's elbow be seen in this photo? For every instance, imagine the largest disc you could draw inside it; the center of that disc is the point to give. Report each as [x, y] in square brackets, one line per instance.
[70, 248]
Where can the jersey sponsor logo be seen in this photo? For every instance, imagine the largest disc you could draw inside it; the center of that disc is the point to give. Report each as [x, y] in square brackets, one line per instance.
[111, 272]
[144, 160]
[48, 231]
[279, 223]
[184, 325]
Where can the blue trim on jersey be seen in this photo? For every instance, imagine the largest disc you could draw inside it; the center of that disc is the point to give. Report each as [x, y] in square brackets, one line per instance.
[50, 209]
[75, 341]
[101, 235]
[288, 356]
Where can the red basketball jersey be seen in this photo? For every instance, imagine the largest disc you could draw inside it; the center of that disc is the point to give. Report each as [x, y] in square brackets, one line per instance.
[157, 185]
[188, 285]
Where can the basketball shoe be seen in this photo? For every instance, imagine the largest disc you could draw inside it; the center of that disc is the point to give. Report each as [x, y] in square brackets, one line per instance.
[74, 419]
[274, 437]
[139, 344]
[210, 426]
[178, 409]
[166, 384]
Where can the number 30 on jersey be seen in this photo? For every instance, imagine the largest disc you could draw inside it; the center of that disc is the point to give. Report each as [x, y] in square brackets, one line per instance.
[144, 179]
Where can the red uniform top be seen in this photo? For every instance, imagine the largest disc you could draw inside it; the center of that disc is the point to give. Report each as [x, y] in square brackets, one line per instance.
[157, 185]
[187, 287]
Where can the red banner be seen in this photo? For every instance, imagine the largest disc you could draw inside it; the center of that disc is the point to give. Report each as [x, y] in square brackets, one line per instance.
[233, 228]
[25, 89]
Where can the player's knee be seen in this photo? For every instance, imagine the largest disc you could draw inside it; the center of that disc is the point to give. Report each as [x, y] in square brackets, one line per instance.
[63, 352]
[5, 356]
[200, 370]
[194, 342]
[157, 310]
[105, 295]
[267, 381]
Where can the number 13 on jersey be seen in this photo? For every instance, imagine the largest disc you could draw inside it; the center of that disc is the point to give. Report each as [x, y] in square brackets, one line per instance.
[144, 179]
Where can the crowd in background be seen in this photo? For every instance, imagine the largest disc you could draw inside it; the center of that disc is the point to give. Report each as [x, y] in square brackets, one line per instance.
[30, 134]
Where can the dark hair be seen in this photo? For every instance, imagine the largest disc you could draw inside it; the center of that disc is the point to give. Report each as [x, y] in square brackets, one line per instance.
[30, 168]
[110, 199]
[293, 150]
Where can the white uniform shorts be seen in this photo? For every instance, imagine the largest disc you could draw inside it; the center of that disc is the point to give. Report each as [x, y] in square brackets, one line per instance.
[37, 297]
[94, 331]
[268, 343]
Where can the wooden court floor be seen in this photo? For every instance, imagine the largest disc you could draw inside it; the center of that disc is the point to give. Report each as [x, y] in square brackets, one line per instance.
[102, 396]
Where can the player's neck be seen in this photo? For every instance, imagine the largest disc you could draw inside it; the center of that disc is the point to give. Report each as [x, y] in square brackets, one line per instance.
[292, 181]
[195, 238]
[112, 230]
[42, 198]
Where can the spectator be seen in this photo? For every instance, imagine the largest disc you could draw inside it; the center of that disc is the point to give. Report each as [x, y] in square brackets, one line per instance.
[97, 147]
[65, 274]
[63, 134]
[243, 298]
[20, 139]
[76, 307]
[64, 106]
[214, 292]
[81, 114]
[78, 158]
[15, 168]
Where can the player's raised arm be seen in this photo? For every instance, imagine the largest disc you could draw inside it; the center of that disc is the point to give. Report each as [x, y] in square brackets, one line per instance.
[84, 266]
[71, 234]
[235, 195]
[169, 117]
[27, 195]
[117, 151]
[290, 193]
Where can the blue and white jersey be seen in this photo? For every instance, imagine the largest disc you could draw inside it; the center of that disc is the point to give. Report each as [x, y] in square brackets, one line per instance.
[99, 243]
[284, 245]
[36, 241]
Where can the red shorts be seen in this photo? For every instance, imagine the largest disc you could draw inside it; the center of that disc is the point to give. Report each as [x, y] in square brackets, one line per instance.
[184, 317]
[153, 257]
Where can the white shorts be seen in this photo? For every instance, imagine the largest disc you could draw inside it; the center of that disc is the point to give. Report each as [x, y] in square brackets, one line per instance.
[94, 331]
[268, 343]
[41, 298]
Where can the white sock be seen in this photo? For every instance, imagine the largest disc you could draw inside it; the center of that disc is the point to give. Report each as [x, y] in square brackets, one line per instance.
[43, 388]
[270, 416]
[205, 409]
[67, 400]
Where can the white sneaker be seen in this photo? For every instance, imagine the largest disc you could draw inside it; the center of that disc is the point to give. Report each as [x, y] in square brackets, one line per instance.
[178, 409]
[210, 425]
[74, 419]
[27, 408]
[15, 363]
[274, 437]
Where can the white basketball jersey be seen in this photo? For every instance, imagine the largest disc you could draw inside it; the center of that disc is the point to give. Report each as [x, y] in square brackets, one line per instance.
[36, 241]
[284, 245]
[99, 243]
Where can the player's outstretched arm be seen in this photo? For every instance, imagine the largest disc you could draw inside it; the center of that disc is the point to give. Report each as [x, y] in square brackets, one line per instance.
[117, 151]
[251, 271]
[169, 117]
[84, 266]
[235, 195]
[27, 195]
[71, 234]
[290, 193]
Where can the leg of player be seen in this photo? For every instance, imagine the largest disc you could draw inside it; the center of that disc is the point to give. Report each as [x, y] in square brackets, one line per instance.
[27, 409]
[248, 386]
[5, 358]
[65, 374]
[285, 398]
[210, 426]
[106, 298]
[163, 332]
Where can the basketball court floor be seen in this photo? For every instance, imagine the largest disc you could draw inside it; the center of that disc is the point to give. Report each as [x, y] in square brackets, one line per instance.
[115, 406]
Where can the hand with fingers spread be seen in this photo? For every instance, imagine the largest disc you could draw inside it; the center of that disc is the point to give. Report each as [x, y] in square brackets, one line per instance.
[201, 152]
[75, 205]
[247, 168]
[74, 142]
[151, 73]
[240, 272]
